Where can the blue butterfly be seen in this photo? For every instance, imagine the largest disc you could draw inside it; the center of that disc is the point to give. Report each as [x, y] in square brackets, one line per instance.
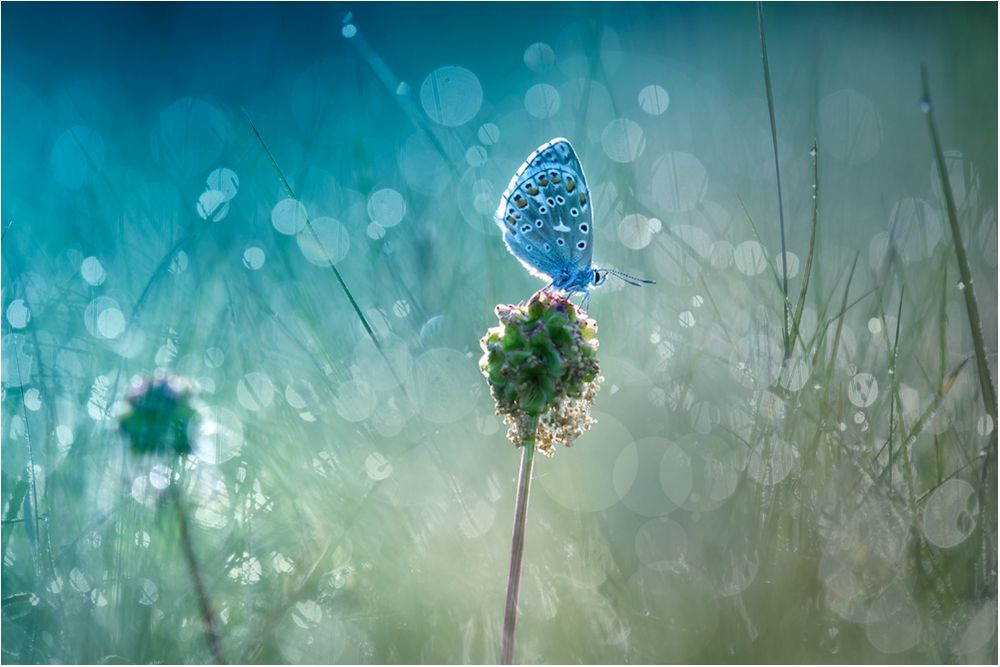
[547, 220]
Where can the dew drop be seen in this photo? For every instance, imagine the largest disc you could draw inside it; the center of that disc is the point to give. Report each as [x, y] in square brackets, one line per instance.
[862, 390]
[542, 101]
[539, 57]
[213, 205]
[489, 134]
[253, 258]
[623, 140]
[451, 96]
[92, 271]
[289, 216]
[18, 314]
[225, 181]
[386, 207]
[654, 100]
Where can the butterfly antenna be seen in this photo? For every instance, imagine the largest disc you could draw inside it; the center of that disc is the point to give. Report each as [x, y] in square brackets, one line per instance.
[631, 280]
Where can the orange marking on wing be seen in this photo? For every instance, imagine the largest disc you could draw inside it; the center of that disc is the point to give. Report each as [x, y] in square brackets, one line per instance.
[570, 185]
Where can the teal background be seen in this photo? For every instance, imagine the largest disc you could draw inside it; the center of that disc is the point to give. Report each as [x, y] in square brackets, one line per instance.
[730, 505]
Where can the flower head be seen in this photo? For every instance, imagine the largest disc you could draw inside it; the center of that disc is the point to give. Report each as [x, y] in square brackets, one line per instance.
[158, 412]
[541, 365]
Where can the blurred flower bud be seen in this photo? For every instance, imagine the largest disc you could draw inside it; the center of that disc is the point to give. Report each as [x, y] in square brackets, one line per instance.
[158, 413]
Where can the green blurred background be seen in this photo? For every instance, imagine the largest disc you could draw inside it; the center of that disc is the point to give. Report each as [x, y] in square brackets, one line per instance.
[731, 504]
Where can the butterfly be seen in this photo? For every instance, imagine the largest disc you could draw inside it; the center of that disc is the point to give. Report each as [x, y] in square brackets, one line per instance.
[546, 215]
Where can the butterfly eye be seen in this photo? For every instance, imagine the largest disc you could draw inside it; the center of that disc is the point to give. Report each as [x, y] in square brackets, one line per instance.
[584, 227]
[598, 277]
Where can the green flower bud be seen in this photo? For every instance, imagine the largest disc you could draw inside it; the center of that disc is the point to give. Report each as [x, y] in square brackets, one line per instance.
[159, 411]
[541, 365]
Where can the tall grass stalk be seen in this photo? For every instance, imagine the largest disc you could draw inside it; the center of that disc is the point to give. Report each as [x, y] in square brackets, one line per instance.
[895, 380]
[777, 175]
[971, 307]
[517, 544]
[810, 252]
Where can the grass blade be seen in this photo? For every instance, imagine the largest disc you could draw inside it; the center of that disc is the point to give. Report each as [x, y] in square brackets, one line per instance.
[807, 270]
[895, 380]
[340, 279]
[777, 171]
[971, 307]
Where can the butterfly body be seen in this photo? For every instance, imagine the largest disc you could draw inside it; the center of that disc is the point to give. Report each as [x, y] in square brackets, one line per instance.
[547, 219]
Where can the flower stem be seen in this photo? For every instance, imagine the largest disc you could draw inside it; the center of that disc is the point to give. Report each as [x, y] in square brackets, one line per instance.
[517, 541]
[192, 562]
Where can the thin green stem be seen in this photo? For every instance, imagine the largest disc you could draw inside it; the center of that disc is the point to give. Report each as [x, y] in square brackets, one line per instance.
[204, 605]
[777, 173]
[517, 542]
[972, 308]
[340, 279]
[30, 522]
[895, 380]
[807, 271]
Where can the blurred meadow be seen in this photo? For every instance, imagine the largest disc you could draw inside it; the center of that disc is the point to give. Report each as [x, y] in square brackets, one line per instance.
[291, 205]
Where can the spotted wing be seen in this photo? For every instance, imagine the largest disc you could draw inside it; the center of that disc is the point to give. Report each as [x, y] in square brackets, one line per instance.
[545, 213]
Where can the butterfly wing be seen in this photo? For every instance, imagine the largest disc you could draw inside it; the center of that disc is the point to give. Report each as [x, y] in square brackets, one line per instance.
[545, 214]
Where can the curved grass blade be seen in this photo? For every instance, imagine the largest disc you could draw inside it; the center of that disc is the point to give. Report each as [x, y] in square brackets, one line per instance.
[777, 173]
[971, 307]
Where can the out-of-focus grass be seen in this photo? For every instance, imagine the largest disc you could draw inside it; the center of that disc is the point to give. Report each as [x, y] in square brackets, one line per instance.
[734, 503]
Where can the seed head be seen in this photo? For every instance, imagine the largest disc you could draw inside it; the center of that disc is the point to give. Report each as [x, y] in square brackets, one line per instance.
[158, 413]
[541, 365]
